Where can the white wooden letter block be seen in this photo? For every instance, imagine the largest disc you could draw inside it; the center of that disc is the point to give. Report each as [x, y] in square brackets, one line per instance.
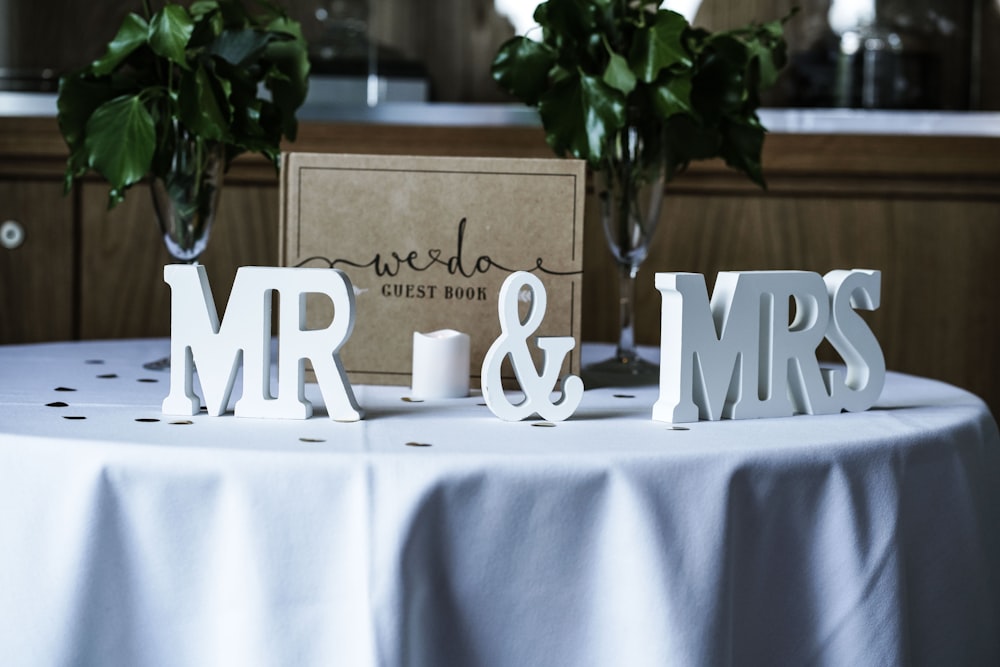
[196, 338]
[513, 341]
[850, 336]
[739, 356]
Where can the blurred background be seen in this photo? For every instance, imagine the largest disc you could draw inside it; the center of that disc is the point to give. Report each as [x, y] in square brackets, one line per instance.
[877, 54]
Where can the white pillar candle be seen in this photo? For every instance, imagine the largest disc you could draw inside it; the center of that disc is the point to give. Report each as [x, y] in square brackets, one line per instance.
[440, 364]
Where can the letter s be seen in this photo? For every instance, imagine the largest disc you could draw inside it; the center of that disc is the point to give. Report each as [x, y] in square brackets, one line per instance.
[852, 338]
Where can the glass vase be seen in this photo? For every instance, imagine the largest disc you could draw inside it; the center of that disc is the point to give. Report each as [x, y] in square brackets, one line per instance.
[186, 199]
[630, 189]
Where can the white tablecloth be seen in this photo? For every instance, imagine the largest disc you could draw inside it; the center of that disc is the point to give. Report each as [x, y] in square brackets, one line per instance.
[609, 539]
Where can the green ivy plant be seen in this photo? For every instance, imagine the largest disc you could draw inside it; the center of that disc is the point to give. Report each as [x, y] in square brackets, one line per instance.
[604, 65]
[222, 74]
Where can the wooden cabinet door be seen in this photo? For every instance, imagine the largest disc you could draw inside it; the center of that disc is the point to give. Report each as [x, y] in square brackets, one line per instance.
[37, 273]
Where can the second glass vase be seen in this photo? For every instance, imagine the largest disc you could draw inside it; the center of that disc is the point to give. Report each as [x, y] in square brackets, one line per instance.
[630, 190]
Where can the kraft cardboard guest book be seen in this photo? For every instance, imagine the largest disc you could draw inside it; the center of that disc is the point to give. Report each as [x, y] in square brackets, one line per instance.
[427, 243]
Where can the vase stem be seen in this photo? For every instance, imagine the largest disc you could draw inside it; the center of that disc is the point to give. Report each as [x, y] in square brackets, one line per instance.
[626, 351]
[629, 189]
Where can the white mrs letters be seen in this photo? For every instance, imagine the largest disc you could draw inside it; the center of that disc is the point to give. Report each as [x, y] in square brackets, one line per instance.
[742, 355]
[196, 338]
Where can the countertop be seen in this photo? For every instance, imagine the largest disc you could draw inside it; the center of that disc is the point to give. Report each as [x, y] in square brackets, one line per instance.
[779, 121]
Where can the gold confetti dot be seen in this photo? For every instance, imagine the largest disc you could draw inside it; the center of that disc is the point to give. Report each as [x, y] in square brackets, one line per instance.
[407, 399]
[182, 422]
[544, 424]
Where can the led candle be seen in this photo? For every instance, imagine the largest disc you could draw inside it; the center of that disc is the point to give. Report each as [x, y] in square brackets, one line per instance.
[440, 364]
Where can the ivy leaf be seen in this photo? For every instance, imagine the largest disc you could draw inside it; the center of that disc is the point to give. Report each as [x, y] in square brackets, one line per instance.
[169, 32]
[767, 53]
[288, 78]
[240, 47]
[204, 108]
[205, 32]
[659, 46]
[742, 145]
[719, 87]
[131, 35]
[673, 97]
[234, 14]
[199, 8]
[522, 66]
[121, 140]
[208, 23]
[569, 20]
[580, 114]
[79, 96]
[688, 140]
[618, 75]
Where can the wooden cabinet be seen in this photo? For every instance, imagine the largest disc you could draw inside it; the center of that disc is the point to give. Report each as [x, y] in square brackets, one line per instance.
[924, 210]
[37, 262]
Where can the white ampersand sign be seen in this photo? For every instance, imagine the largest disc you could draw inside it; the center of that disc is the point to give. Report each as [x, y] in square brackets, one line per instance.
[513, 341]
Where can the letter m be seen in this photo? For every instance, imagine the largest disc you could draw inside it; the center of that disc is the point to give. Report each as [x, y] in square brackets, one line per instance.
[198, 339]
[708, 352]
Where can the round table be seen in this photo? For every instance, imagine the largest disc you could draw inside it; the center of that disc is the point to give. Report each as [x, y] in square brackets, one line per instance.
[432, 533]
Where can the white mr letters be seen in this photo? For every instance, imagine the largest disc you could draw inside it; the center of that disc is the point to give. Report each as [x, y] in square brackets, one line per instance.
[742, 355]
[196, 337]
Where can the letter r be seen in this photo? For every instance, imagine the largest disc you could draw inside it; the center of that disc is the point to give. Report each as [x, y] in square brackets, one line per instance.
[321, 346]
